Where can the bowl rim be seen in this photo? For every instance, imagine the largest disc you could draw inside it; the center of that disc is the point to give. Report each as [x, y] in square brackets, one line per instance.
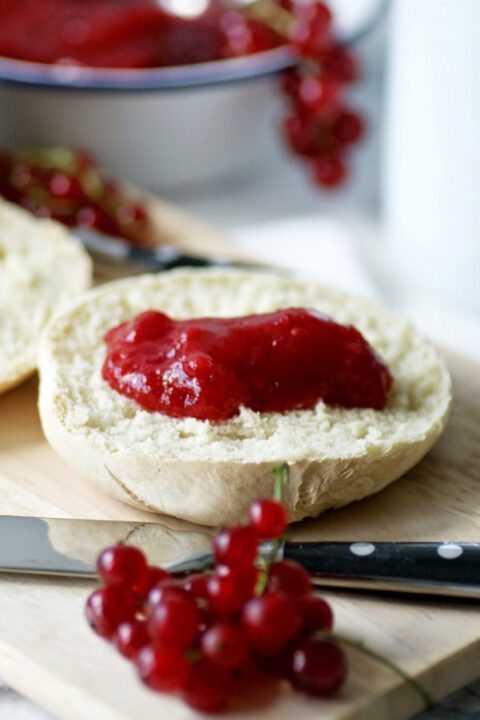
[76, 77]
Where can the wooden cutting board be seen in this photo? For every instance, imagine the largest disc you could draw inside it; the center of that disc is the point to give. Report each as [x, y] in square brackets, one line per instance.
[48, 653]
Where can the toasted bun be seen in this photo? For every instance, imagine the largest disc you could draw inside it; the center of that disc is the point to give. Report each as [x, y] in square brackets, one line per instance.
[41, 267]
[207, 472]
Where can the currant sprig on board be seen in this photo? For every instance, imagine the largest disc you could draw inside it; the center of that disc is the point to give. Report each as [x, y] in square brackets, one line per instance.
[66, 185]
[206, 635]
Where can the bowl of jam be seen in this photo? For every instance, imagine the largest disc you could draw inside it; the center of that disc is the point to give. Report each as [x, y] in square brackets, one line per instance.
[164, 94]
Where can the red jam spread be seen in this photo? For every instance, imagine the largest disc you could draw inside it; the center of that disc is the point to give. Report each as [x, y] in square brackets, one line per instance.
[126, 33]
[208, 368]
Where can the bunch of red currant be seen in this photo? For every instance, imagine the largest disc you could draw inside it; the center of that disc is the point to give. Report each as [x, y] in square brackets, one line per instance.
[319, 127]
[207, 634]
[67, 186]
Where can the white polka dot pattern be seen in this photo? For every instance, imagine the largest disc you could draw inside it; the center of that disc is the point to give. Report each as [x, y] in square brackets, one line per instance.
[449, 551]
[361, 549]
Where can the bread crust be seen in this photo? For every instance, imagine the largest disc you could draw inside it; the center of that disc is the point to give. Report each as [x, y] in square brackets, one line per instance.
[213, 491]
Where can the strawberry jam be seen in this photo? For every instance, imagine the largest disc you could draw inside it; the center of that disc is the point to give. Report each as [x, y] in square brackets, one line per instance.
[208, 367]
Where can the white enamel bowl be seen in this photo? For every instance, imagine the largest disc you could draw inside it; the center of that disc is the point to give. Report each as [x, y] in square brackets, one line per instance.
[161, 128]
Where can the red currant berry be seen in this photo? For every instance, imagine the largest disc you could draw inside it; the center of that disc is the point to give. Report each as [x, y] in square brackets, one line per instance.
[270, 622]
[87, 216]
[122, 565]
[244, 36]
[316, 613]
[288, 577]
[64, 218]
[277, 665]
[298, 134]
[128, 214]
[329, 170]
[174, 621]
[348, 127]
[156, 575]
[25, 202]
[224, 645]
[84, 159]
[165, 590]
[290, 82]
[246, 578]
[162, 668]
[63, 186]
[4, 165]
[43, 212]
[21, 176]
[196, 585]
[338, 62]
[318, 668]
[96, 218]
[268, 518]
[318, 96]
[130, 637]
[207, 689]
[236, 546]
[225, 595]
[310, 33]
[107, 607]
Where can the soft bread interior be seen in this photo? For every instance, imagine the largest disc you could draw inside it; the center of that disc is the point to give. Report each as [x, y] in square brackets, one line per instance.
[41, 268]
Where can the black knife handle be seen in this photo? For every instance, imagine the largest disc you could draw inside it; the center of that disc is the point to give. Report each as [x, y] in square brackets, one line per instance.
[428, 562]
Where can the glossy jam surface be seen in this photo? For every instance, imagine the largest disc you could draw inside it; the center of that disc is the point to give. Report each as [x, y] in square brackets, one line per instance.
[125, 33]
[276, 362]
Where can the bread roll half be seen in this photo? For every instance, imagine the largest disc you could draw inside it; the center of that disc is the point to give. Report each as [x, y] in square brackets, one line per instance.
[207, 472]
[41, 267]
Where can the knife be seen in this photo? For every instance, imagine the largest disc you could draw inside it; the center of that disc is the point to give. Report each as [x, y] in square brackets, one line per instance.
[162, 257]
[63, 547]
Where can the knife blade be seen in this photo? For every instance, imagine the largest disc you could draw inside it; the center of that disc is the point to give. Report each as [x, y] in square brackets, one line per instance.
[64, 547]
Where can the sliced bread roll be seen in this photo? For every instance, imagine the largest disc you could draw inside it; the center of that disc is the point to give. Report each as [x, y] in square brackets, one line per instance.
[207, 472]
[41, 267]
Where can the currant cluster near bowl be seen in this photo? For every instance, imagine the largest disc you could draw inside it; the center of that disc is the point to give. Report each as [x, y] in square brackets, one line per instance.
[209, 636]
[320, 126]
[67, 186]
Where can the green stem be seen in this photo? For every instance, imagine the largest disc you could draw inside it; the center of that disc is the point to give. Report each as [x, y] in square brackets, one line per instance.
[270, 14]
[378, 657]
[280, 473]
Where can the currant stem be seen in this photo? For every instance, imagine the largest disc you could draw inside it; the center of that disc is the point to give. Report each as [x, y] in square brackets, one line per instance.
[281, 474]
[57, 158]
[270, 14]
[382, 659]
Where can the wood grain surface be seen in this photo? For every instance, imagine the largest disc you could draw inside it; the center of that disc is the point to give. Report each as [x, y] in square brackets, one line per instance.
[48, 653]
